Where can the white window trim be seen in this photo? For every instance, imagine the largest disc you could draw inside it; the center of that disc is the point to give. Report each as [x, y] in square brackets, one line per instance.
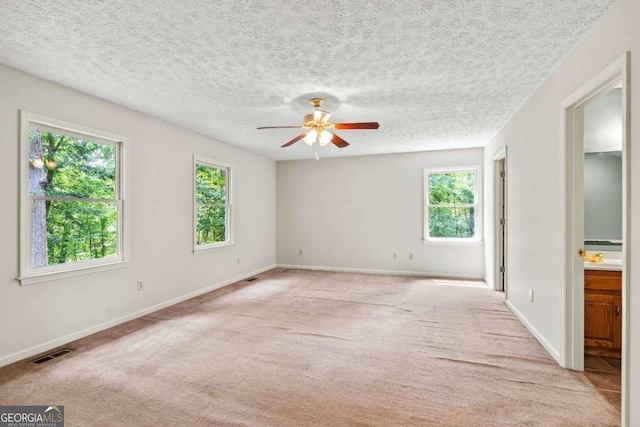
[30, 275]
[229, 241]
[477, 239]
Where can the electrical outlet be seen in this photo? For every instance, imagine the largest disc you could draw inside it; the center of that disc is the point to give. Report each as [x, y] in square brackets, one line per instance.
[238, 260]
[299, 251]
[411, 257]
[531, 295]
[395, 255]
[140, 285]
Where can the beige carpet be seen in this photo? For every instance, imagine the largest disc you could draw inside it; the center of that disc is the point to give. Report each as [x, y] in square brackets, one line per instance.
[299, 348]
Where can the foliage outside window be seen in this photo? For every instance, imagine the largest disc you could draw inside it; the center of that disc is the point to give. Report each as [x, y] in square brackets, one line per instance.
[72, 198]
[212, 204]
[451, 204]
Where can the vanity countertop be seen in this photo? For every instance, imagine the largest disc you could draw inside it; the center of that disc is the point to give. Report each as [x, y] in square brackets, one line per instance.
[612, 261]
[607, 264]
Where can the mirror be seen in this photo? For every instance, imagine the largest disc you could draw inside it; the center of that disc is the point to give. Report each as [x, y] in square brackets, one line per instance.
[603, 172]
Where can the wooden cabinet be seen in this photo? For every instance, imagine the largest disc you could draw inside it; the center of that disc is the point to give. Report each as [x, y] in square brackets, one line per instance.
[603, 312]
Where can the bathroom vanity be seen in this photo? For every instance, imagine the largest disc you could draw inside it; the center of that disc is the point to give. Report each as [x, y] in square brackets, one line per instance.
[602, 310]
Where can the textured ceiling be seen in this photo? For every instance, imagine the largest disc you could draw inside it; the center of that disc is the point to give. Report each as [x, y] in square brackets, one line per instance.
[434, 73]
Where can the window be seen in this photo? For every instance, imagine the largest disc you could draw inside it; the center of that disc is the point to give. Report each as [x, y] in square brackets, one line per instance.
[212, 204]
[72, 199]
[451, 198]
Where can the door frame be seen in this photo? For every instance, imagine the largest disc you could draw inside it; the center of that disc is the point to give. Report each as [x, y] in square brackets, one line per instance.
[572, 132]
[500, 239]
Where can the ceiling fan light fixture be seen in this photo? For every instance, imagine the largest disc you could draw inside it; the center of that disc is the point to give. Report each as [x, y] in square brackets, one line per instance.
[311, 137]
[325, 138]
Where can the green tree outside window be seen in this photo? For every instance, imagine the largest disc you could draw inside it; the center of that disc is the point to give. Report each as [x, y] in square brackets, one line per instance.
[451, 204]
[73, 198]
[212, 204]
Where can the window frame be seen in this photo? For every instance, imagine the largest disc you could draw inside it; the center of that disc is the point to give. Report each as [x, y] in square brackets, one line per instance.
[30, 274]
[478, 236]
[229, 230]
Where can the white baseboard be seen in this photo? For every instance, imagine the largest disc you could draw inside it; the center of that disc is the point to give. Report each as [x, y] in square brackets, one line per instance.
[23, 354]
[372, 271]
[541, 339]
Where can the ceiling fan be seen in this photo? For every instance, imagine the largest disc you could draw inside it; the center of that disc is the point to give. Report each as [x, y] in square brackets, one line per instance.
[319, 128]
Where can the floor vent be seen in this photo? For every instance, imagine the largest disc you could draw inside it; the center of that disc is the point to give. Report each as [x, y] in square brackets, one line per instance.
[251, 279]
[51, 356]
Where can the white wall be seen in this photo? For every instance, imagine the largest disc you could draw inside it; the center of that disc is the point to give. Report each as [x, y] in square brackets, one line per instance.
[535, 186]
[354, 212]
[34, 318]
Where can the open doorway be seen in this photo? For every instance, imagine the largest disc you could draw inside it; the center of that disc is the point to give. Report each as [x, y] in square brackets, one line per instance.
[603, 243]
[596, 293]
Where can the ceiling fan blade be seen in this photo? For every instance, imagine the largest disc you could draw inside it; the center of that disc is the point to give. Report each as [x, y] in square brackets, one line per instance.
[349, 126]
[294, 140]
[281, 127]
[339, 142]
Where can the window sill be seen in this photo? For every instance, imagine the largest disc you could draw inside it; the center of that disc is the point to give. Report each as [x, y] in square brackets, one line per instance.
[452, 242]
[206, 249]
[63, 274]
